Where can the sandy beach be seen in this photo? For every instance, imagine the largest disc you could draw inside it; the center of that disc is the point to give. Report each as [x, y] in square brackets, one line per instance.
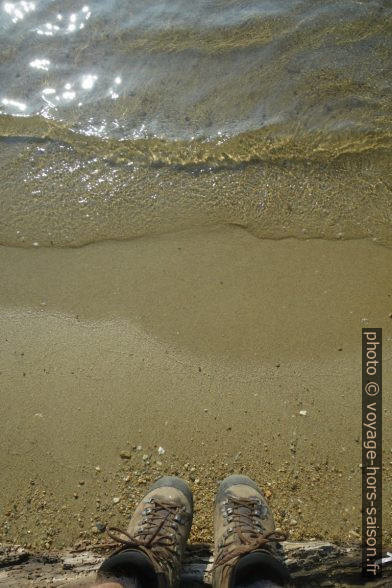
[228, 352]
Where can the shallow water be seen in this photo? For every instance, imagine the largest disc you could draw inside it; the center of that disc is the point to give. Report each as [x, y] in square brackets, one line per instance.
[120, 119]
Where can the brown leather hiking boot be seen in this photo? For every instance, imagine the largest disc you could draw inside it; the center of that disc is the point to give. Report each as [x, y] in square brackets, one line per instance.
[245, 538]
[154, 543]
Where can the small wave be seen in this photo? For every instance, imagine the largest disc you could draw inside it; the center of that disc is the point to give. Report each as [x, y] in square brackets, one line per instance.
[271, 144]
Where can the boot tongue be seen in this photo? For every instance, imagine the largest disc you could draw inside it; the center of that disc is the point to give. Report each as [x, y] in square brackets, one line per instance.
[244, 522]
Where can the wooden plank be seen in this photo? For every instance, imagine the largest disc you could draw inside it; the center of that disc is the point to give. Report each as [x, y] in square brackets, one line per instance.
[311, 564]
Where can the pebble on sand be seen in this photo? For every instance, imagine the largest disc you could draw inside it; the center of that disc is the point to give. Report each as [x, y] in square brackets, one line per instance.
[161, 451]
[303, 412]
[125, 454]
[116, 500]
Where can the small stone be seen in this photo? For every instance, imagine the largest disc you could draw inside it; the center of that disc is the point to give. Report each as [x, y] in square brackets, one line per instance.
[97, 469]
[116, 500]
[125, 454]
[81, 482]
[303, 412]
[101, 527]
[293, 522]
[138, 448]
[161, 451]
[145, 457]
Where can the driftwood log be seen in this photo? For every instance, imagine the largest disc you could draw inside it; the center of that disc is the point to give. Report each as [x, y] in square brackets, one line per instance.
[311, 564]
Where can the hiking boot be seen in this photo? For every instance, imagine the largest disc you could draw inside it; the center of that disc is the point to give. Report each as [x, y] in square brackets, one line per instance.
[154, 542]
[246, 547]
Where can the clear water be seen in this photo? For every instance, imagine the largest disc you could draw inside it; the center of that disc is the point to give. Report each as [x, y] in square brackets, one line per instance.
[122, 118]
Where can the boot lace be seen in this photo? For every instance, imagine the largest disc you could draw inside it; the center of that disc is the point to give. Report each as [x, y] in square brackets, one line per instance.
[156, 534]
[244, 534]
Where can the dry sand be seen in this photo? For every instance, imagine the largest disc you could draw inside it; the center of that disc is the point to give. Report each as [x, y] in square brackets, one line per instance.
[207, 343]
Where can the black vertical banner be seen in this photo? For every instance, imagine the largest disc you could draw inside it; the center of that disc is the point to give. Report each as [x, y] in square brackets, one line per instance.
[371, 452]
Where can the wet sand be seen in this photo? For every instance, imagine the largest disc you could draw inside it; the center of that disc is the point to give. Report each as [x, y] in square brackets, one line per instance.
[207, 343]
